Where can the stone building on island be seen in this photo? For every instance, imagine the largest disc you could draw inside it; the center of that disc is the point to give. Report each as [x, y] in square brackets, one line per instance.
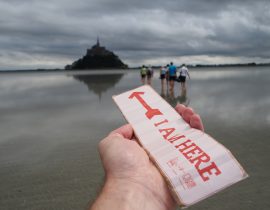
[97, 57]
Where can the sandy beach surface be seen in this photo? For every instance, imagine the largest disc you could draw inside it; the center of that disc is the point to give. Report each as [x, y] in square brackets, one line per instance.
[51, 123]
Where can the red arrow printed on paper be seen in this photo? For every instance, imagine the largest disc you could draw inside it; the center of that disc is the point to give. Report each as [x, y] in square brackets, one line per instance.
[150, 111]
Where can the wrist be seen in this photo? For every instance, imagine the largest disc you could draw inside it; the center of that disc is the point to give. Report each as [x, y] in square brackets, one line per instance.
[128, 194]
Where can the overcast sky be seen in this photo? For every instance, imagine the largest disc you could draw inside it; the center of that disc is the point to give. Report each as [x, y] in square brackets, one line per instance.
[53, 33]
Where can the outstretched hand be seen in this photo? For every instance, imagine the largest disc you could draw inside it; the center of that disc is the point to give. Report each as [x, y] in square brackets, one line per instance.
[132, 180]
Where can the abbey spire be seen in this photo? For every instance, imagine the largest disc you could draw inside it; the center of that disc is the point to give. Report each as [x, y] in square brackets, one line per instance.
[97, 42]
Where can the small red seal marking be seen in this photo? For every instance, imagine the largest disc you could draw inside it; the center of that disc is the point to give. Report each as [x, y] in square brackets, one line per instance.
[188, 180]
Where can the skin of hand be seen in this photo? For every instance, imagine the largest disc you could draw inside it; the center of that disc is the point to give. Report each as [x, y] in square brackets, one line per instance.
[132, 181]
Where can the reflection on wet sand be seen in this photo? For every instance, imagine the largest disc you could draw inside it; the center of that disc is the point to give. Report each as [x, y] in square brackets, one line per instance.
[99, 83]
[170, 97]
[51, 125]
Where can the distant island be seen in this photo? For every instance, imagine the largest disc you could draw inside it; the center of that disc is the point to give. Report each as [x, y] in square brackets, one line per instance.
[97, 57]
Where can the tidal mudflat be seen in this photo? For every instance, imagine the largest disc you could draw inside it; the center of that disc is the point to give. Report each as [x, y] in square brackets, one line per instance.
[51, 123]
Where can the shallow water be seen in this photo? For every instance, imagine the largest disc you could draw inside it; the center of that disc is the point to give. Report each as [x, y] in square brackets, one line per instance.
[51, 123]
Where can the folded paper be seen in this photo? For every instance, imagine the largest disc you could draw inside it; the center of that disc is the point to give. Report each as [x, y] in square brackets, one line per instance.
[194, 164]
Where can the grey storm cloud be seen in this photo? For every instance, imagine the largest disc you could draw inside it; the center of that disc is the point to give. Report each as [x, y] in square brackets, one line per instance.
[52, 33]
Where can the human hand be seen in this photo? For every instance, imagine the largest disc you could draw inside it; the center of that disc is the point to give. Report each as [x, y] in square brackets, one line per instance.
[132, 180]
[188, 114]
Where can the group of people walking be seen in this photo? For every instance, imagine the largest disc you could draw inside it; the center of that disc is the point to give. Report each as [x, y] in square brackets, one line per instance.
[168, 76]
[146, 75]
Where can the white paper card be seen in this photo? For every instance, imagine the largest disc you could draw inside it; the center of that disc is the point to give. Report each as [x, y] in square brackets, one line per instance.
[194, 164]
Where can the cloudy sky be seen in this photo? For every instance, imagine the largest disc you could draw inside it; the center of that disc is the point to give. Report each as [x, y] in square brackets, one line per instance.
[53, 33]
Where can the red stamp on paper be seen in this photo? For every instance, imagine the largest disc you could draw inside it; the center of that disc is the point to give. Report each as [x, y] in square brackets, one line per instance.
[175, 164]
[185, 178]
[188, 180]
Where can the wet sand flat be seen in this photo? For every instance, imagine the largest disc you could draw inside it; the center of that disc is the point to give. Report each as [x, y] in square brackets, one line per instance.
[51, 123]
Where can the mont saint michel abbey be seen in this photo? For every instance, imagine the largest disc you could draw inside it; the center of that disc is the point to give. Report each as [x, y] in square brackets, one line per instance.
[98, 57]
